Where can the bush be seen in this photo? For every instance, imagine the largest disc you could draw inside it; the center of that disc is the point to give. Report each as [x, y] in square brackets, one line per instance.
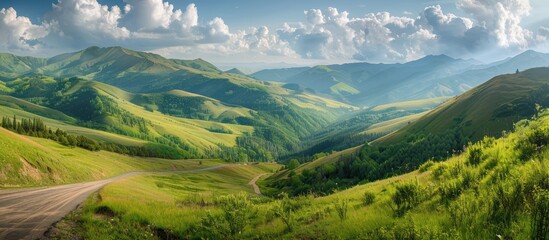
[426, 166]
[407, 196]
[237, 214]
[475, 155]
[450, 190]
[294, 163]
[369, 198]
[341, 206]
[439, 171]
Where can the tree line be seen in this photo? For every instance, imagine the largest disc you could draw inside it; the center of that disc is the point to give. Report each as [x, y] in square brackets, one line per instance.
[35, 127]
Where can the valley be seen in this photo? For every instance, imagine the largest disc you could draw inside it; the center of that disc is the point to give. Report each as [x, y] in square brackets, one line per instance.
[144, 147]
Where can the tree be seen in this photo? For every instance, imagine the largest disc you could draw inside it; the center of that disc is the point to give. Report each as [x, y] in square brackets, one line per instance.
[293, 164]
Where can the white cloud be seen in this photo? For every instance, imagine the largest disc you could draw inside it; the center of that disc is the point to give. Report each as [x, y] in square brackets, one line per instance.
[18, 32]
[81, 23]
[502, 18]
[327, 35]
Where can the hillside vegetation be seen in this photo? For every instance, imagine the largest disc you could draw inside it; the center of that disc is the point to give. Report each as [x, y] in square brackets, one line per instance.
[29, 161]
[487, 110]
[497, 187]
[187, 104]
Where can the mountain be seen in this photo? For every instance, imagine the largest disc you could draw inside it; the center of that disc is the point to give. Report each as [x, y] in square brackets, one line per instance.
[486, 110]
[483, 112]
[125, 92]
[278, 75]
[373, 84]
[11, 65]
[235, 71]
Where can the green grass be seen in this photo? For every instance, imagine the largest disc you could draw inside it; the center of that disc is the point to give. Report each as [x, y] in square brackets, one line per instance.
[27, 161]
[72, 129]
[414, 104]
[480, 205]
[485, 110]
[168, 201]
[392, 125]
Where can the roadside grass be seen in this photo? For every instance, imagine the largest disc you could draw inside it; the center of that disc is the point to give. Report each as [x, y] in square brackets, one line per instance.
[27, 162]
[166, 203]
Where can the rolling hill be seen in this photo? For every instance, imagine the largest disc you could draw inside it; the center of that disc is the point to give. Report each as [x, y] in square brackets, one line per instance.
[486, 110]
[480, 113]
[189, 103]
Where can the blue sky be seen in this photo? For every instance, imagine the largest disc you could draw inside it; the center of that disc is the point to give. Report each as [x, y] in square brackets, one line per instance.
[298, 32]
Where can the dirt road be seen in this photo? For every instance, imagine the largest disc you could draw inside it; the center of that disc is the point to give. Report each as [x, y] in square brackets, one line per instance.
[254, 184]
[28, 213]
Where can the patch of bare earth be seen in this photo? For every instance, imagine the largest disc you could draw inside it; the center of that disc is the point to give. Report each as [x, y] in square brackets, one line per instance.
[29, 170]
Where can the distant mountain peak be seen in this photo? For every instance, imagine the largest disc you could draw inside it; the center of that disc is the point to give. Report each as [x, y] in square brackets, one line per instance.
[235, 71]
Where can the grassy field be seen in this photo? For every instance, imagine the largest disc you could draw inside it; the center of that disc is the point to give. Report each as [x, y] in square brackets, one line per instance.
[415, 104]
[392, 125]
[192, 131]
[27, 161]
[73, 129]
[497, 187]
[142, 206]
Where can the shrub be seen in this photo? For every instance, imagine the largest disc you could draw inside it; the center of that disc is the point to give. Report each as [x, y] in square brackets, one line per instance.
[439, 171]
[293, 164]
[369, 198]
[341, 206]
[506, 201]
[407, 196]
[214, 226]
[426, 166]
[475, 155]
[237, 212]
[450, 191]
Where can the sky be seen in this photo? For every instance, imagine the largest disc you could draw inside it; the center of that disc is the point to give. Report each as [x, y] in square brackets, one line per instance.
[283, 32]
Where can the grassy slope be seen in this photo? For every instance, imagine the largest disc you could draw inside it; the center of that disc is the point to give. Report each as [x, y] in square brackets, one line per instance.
[27, 161]
[172, 202]
[193, 131]
[474, 111]
[165, 201]
[415, 104]
[389, 126]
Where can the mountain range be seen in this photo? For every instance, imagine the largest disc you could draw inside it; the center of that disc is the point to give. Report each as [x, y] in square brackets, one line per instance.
[367, 84]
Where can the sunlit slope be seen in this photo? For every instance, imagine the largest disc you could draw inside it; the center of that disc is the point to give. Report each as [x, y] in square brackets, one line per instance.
[487, 109]
[28, 161]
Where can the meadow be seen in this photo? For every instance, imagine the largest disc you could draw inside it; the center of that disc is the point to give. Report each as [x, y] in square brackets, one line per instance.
[498, 188]
[28, 162]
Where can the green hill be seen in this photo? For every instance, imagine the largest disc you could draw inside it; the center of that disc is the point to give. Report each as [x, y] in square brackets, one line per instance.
[498, 188]
[236, 71]
[12, 66]
[486, 110]
[27, 161]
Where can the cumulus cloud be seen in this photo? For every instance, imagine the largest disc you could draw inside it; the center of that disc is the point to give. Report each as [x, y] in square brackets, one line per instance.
[18, 32]
[502, 19]
[328, 34]
[80, 23]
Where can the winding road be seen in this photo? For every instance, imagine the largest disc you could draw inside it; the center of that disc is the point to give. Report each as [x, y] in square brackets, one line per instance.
[253, 182]
[28, 213]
